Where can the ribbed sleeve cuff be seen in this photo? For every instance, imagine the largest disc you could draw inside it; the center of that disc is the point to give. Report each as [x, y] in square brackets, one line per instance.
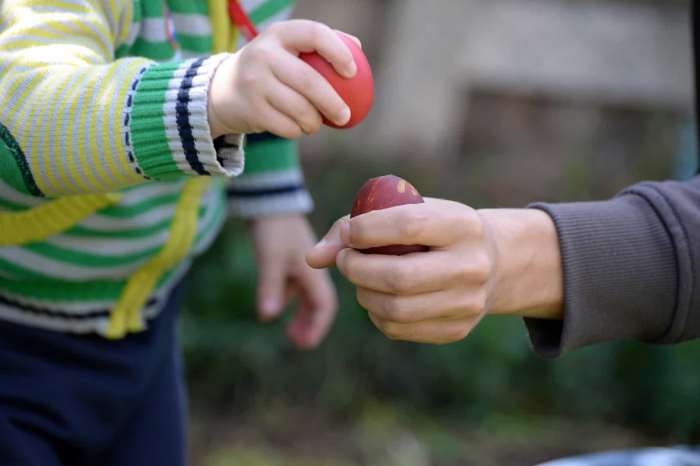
[167, 130]
[620, 275]
[271, 193]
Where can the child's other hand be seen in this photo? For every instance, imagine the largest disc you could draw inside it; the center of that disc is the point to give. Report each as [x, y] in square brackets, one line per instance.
[280, 245]
[267, 87]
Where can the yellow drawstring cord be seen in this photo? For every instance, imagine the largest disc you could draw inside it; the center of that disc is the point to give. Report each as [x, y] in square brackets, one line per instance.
[126, 316]
[50, 218]
[53, 217]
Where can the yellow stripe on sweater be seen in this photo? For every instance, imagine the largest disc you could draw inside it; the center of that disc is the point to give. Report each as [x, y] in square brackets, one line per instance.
[118, 162]
[126, 316]
[44, 116]
[120, 174]
[127, 19]
[87, 181]
[100, 37]
[99, 131]
[64, 129]
[45, 137]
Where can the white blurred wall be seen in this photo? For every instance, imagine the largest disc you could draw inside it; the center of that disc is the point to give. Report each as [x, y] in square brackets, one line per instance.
[429, 55]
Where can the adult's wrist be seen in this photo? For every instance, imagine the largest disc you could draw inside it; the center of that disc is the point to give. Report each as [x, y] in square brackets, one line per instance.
[527, 279]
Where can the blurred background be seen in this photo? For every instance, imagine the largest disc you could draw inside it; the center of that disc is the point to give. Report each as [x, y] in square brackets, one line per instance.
[493, 103]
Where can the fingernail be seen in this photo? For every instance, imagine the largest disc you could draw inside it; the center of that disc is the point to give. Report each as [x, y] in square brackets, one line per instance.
[352, 69]
[355, 39]
[269, 307]
[345, 116]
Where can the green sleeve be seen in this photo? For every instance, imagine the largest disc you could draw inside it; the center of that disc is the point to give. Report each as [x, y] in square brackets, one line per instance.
[272, 182]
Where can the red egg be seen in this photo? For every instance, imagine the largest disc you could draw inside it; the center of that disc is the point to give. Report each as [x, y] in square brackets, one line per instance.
[357, 92]
[382, 193]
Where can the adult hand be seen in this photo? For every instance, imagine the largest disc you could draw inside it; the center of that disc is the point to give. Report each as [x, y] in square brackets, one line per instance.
[479, 262]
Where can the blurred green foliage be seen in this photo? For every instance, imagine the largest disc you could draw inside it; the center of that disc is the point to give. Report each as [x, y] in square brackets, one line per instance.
[233, 359]
[256, 457]
[492, 381]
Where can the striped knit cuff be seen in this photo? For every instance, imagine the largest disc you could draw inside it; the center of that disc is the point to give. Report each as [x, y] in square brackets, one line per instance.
[167, 130]
[266, 194]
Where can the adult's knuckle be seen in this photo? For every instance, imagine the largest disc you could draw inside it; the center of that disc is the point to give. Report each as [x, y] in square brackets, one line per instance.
[349, 268]
[392, 330]
[462, 273]
[465, 306]
[458, 223]
[359, 232]
[395, 310]
[477, 303]
[411, 226]
[362, 298]
[400, 281]
[481, 268]
[476, 226]
[459, 334]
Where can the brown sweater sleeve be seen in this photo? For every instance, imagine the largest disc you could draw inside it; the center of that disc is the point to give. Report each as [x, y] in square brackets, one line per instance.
[631, 268]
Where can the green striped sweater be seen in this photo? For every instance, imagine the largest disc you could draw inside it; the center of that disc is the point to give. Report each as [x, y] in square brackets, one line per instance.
[110, 182]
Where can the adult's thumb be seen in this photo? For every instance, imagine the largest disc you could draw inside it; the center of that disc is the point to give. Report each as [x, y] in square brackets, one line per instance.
[324, 253]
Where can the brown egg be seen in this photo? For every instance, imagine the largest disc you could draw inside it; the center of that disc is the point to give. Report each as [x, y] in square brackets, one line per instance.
[381, 193]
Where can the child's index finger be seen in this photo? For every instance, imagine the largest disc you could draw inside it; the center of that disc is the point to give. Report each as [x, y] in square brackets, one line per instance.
[309, 36]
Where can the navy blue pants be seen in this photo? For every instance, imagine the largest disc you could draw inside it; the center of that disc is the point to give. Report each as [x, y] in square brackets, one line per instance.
[68, 400]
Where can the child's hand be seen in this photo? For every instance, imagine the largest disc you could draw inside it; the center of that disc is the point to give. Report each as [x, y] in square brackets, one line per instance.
[266, 87]
[499, 261]
[280, 245]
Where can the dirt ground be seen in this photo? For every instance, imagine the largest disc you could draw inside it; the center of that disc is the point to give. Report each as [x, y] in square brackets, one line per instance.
[379, 435]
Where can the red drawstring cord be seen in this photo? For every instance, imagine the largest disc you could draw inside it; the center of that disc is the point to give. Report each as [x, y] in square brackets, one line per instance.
[241, 19]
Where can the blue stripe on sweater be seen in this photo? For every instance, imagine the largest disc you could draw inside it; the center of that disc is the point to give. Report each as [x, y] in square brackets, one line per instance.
[278, 190]
[184, 127]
